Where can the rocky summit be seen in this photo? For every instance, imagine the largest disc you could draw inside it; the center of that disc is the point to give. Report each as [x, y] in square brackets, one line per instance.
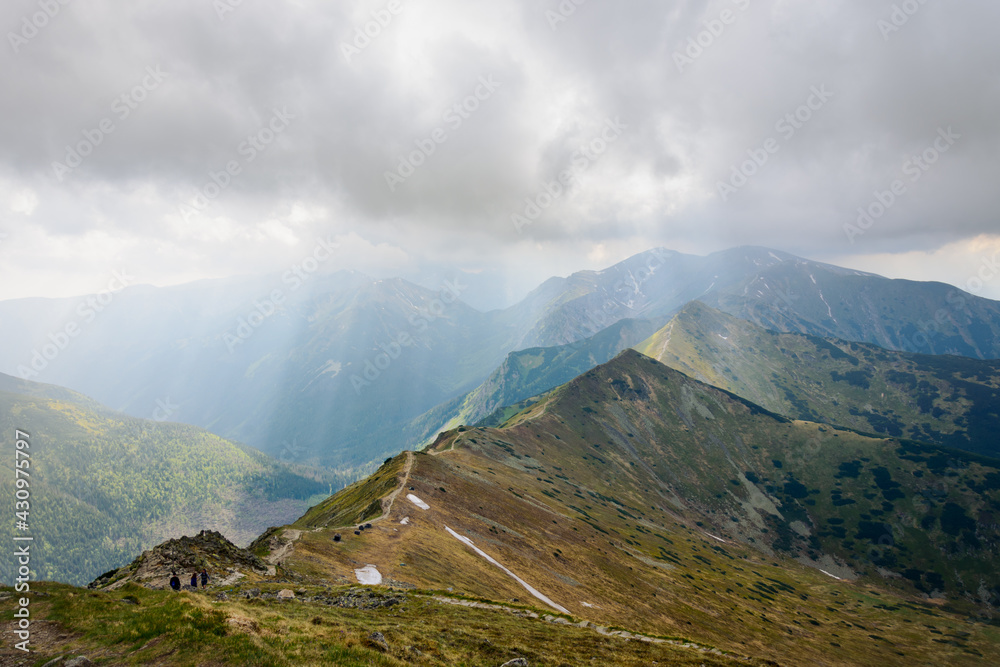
[209, 550]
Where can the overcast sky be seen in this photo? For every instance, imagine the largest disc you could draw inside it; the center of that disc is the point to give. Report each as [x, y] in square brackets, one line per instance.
[622, 121]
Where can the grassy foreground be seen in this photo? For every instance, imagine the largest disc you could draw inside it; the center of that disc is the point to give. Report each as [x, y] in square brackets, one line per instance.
[321, 626]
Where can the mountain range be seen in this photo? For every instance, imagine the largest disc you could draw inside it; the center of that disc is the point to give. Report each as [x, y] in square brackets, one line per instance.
[340, 370]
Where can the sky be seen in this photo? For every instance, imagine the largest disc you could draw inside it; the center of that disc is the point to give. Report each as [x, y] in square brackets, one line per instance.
[507, 141]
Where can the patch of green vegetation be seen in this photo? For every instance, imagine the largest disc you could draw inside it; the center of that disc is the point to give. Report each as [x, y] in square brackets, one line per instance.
[105, 486]
[358, 502]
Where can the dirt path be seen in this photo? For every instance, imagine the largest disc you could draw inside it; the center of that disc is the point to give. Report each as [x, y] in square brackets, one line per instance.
[391, 498]
[281, 548]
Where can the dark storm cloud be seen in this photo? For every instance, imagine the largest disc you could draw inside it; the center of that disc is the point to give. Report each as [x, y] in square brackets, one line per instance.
[699, 86]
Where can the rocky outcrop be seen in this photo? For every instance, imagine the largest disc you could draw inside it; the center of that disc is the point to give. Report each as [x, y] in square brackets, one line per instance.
[225, 563]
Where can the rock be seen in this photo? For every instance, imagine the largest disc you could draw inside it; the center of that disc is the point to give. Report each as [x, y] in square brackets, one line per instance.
[516, 662]
[285, 594]
[221, 597]
[78, 661]
[208, 549]
[55, 662]
[376, 640]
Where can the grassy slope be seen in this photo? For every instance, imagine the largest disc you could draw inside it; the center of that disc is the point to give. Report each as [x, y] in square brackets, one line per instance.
[608, 496]
[611, 509]
[527, 373]
[136, 626]
[947, 400]
[105, 486]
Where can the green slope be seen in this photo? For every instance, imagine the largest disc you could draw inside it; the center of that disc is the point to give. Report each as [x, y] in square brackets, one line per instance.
[948, 400]
[914, 516]
[105, 486]
[637, 498]
[528, 373]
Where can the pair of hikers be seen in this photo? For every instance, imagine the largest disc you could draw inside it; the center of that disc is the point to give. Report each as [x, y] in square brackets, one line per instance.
[175, 582]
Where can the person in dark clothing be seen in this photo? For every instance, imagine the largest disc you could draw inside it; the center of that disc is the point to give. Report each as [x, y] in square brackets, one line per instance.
[175, 582]
[194, 580]
[204, 578]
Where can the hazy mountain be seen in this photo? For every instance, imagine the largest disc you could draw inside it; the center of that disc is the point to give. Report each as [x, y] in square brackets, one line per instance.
[339, 369]
[771, 288]
[105, 486]
[948, 400]
[326, 373]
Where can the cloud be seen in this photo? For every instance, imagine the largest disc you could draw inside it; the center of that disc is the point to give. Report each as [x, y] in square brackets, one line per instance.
[701, 87]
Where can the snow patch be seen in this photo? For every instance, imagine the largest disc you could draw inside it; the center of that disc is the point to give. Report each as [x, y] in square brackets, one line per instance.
[417, 501]
[405, 521]
[716, 538]
[831, 575]
[368, 575]
[467, 542]
[332, 367]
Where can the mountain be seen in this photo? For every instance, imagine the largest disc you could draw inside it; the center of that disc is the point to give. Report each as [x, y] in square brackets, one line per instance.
[796, 295]
[637, 497]
[104, 486]
[948, 400]
[325, 371]
[772, 289]
[335, 368]
[527, 373]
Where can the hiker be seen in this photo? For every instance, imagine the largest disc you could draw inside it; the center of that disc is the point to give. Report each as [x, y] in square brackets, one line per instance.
[204, 578]
[194, 580]
[175, 583]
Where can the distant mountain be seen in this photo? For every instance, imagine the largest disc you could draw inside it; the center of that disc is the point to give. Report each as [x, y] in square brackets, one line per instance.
[770, 288]
[797, 295]
[637, 497]
[105, 486]
[948, 400]
[327, 373]
[339, 369]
